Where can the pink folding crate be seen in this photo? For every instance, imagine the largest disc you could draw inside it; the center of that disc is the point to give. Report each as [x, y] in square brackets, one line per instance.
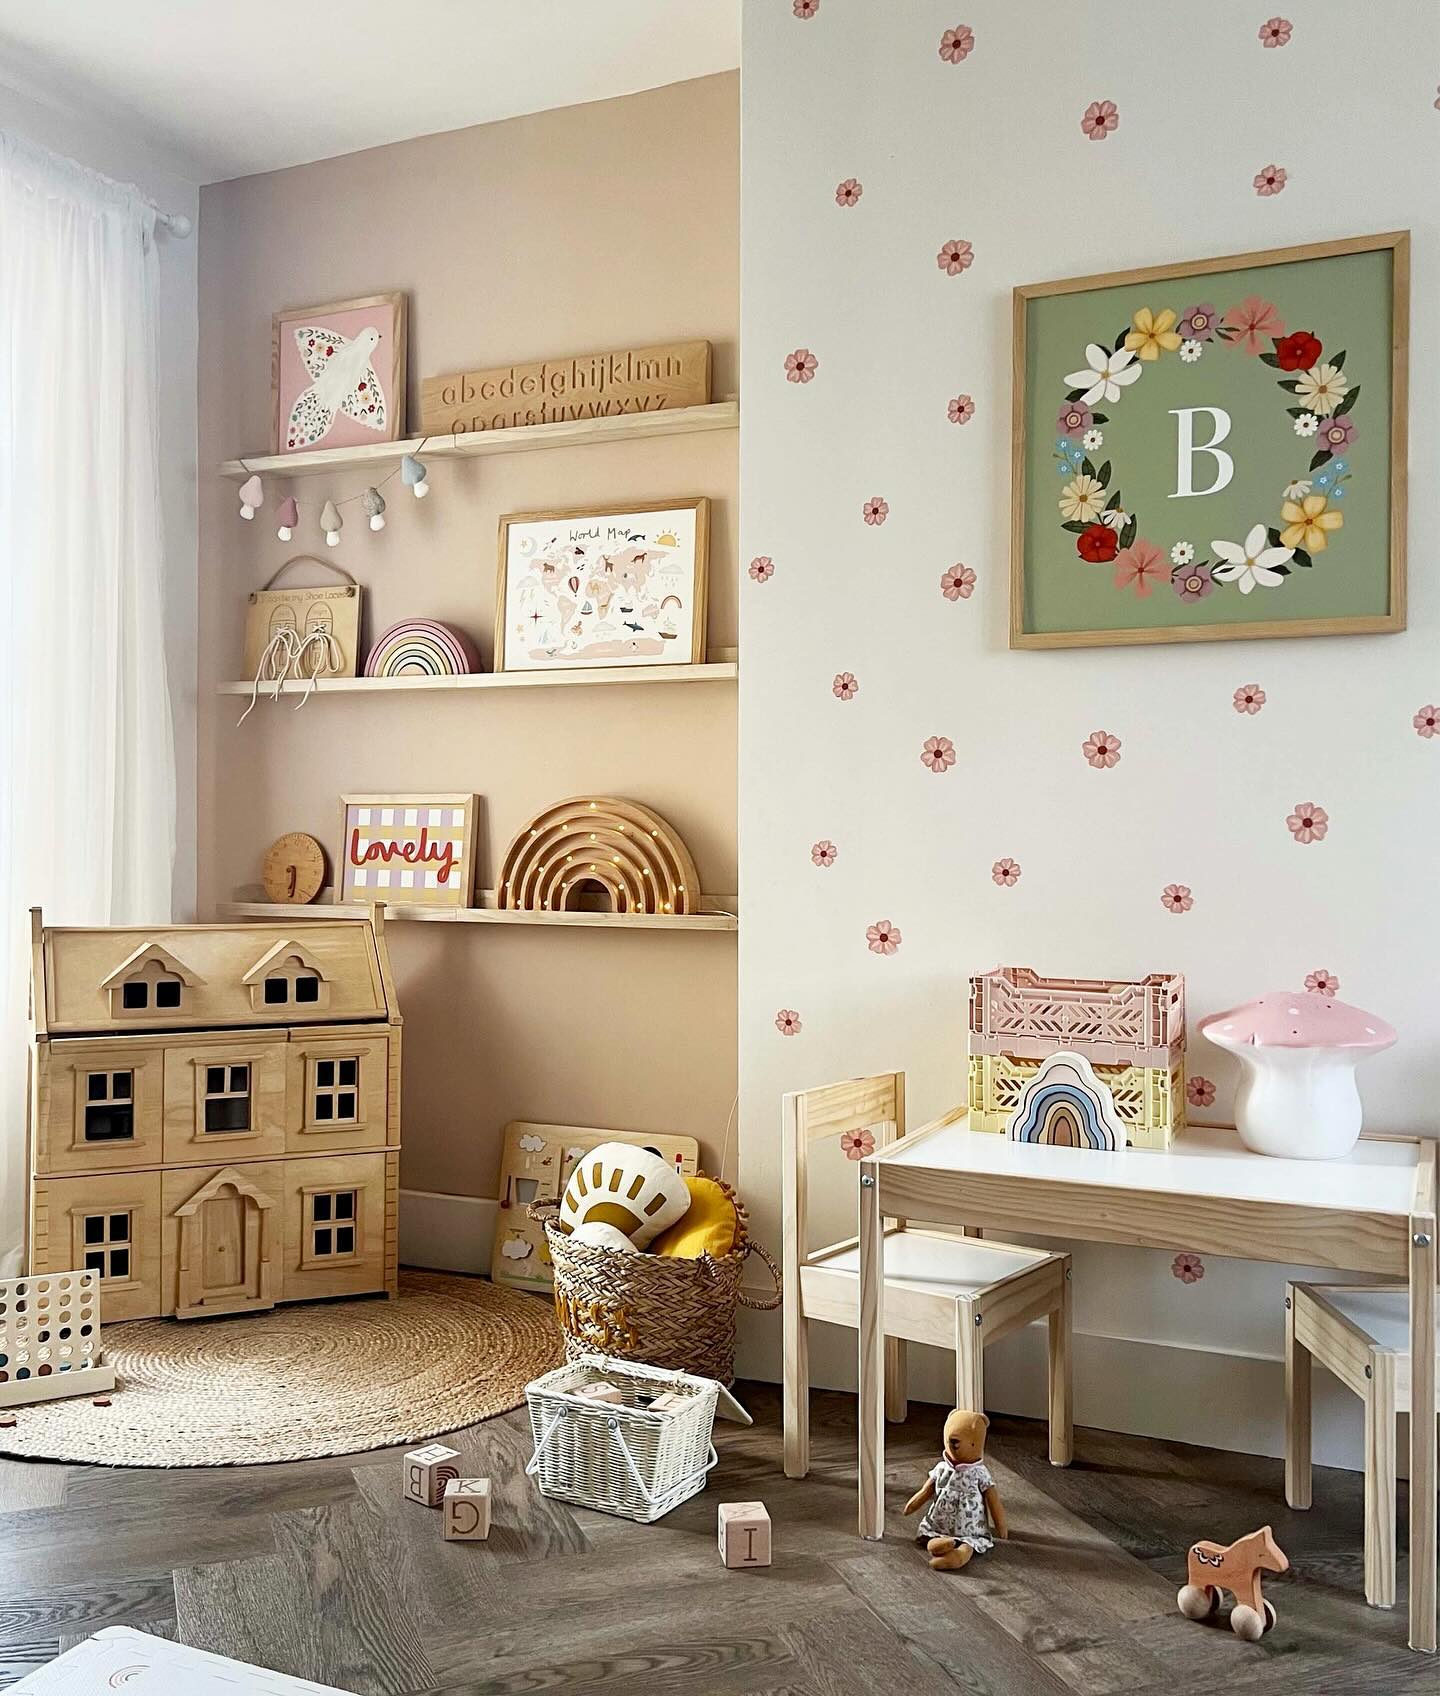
[1015, 1011]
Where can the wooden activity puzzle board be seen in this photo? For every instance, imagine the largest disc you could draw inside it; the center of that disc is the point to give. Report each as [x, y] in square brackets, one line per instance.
[50, 1338]
[535, 1166]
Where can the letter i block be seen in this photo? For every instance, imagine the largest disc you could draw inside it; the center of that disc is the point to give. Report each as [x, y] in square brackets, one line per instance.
[744, 1534]
[427, 1472]
[467, 1510]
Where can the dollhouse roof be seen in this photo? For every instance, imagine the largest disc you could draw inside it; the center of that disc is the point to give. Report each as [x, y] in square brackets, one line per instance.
[143, 956]
[283, 951]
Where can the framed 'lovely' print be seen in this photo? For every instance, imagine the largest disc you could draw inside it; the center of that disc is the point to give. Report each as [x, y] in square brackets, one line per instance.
[412, 850]
[607, 586]
[337, 374]
[1212, 451]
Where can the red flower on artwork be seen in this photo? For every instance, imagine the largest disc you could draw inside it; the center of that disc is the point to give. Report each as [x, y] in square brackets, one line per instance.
[1297, 352]
[1098, 544]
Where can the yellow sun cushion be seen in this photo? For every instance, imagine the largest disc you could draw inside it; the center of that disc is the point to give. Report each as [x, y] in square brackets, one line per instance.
[711, 1226]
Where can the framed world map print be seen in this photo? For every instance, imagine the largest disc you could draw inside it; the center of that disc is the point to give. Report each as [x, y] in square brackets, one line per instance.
[1212, 451]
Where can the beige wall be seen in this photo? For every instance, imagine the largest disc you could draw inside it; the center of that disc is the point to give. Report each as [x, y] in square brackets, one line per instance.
[569, 231]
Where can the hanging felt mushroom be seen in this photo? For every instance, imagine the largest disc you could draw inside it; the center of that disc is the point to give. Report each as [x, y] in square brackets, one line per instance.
[252, 495]
[412, 475]
[331, 523]
[289, 516]
[372, 503]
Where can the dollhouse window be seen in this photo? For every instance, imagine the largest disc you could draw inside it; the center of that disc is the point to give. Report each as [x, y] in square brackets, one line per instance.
[167, 992]
[334, 1216]
[337, 1091]
[307, 988]
[277, 991]
[107, 1244]
[135, 997]
[110, 1107]
[227, 1099]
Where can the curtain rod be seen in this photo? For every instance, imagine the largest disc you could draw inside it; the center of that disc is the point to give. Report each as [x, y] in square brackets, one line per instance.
[179, 224]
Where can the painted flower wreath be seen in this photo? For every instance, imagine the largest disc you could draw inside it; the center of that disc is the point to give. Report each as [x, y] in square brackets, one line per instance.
[1092, 508]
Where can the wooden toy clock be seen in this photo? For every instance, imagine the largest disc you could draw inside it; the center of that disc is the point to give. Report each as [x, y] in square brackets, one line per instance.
[294, 868]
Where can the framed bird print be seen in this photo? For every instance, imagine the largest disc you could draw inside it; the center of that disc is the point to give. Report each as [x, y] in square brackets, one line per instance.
[1212, 451]
[337, 374]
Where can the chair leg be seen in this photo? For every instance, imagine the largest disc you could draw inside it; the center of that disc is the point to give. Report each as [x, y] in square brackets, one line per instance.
[1062, 1411]
[969, 1360]
[1380, 1482]
[796, 1391]
[897, 1404]
[1298, 1394]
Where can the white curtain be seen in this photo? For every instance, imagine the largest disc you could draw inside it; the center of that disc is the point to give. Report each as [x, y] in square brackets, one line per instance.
[87, 782]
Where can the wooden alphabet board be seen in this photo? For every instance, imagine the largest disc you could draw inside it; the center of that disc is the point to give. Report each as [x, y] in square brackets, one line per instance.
[553, 391]
[535, 1166]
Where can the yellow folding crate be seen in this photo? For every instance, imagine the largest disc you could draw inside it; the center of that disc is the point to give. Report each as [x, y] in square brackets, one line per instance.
[1149, 1100]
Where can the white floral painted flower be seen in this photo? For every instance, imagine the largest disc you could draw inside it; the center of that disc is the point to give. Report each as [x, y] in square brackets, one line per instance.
[1081, 500]
[1251, 564]
[1117, 518]
[1297, 490]
[1322, 388]
[1306, 424]
[1182, 553]
[1106, 374]
[1093, 439]
[1190, 351]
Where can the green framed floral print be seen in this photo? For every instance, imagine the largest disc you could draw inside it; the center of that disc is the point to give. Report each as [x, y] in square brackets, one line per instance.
[1212, 451]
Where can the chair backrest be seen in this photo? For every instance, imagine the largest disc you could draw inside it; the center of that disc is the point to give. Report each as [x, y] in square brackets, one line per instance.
[861, 1108]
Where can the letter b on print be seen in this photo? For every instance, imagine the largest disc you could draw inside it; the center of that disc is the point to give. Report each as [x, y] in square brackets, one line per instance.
[1187, 448]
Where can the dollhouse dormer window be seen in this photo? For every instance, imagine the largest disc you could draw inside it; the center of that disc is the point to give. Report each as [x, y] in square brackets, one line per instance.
[151, 981]
[287, 976]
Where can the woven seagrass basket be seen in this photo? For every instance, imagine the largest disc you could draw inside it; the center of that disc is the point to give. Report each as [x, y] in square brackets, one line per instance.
[675, 1314]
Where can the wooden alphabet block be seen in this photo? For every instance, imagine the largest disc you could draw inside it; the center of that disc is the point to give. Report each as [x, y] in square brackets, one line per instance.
[466, 1506]
[426, 1473]
[670, 1403]
[602, 1392]
[744, 1534]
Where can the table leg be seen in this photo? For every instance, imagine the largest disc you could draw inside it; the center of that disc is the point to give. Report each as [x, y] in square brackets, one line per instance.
[872, 1355]
[1422, 1433]
[1299, 1393]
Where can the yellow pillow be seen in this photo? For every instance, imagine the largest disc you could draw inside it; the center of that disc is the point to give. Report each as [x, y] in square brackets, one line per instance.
[711, 1226]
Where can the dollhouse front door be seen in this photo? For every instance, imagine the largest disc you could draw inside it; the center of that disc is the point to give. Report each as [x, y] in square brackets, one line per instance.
[225, 1249]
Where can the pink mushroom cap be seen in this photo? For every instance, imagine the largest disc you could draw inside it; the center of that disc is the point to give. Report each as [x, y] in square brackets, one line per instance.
[1287, 1018]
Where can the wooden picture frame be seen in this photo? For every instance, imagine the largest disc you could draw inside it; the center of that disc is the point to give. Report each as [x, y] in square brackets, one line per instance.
[591, 630]
[1052, 590]
[293, 371]
[406, 840]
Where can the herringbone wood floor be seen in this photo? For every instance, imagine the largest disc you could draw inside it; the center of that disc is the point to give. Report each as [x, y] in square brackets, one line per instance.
[320, 1569]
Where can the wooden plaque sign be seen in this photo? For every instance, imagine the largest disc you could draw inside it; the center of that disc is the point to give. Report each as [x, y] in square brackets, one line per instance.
[554, 391]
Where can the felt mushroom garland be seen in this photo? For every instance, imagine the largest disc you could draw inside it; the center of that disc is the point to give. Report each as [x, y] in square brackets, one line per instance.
[411, 471]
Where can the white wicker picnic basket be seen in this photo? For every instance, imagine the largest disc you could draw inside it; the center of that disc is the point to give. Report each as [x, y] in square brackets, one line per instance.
[624, 1459]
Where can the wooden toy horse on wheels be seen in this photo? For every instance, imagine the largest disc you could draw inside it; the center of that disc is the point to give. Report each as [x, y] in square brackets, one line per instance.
[1214, 1567]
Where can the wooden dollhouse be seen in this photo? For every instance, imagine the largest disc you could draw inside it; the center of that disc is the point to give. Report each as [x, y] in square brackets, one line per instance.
[214, 1113]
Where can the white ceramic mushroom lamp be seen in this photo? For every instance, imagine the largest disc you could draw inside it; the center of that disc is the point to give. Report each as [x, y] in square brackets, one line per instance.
[1298, 1053]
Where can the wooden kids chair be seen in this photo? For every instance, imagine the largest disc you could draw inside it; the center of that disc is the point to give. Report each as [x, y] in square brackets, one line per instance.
[1361, 1332]
[941, 1287]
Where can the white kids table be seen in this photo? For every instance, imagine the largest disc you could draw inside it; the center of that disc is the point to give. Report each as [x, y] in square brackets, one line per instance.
[1372, 1212]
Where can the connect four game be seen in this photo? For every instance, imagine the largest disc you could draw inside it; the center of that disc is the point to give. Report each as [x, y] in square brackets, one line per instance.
[50, 1338]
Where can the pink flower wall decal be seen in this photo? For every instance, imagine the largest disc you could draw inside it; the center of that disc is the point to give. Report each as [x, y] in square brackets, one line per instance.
[1006, 873]
[1248, 698]
[1321, 982]
[848, 192]
[824, 853]
[955, 257]
[1177, 898]
[762, 568]
[1188, 1268]
[800, 366]
[957, 44]
[857, 1145]
[1308, 823]
[1101, 749]
[958, 583]
[938, 753]
[961, 410]
[1101, 116]
[1427, 722]
[1275, 32]
[875, 510]
[1199, 1092]
[882, 937]
[846, 686]
[787, 1022]
[1270, 179]
[805, 8]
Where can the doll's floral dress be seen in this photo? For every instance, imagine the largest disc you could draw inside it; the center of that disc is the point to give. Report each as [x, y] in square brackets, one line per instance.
[957, 1509]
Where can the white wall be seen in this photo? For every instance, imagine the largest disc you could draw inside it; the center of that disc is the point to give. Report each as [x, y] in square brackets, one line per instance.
[110, 144]
[991, 150]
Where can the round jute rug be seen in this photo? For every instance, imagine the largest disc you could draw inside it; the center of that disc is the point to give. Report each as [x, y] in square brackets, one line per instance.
[332, 1378]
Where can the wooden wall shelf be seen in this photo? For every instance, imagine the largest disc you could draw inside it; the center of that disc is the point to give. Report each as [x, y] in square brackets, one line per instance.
[713, 671]
[579, 432]
[720, 913]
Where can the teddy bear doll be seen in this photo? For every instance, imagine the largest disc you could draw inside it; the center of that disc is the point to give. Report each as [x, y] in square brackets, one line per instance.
[958, 1495]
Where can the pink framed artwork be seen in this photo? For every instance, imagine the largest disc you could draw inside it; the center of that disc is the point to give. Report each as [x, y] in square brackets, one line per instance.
[337, 374]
